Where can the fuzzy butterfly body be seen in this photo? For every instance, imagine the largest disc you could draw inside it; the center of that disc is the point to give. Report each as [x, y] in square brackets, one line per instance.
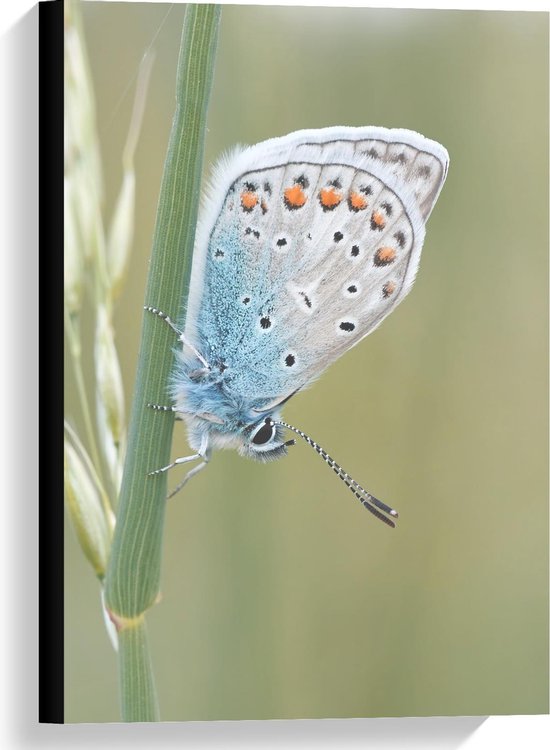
[306, 243]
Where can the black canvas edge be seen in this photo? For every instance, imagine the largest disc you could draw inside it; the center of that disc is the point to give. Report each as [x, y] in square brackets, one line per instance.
[50, 234]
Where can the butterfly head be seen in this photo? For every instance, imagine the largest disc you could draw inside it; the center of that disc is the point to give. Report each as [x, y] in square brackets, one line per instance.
[263, 441]
[219, 424]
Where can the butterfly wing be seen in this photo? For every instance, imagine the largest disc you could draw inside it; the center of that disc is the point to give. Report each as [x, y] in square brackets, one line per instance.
[308, 242]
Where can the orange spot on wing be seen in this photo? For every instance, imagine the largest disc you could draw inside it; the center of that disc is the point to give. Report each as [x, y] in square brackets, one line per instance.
[388, 288]
[330, 197]
[378, 219]
[384, 255]
[295, 196]
[248, 200]
[357, 202]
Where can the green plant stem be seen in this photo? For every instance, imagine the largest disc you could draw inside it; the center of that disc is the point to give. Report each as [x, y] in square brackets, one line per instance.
[137, 688]
[133, 575]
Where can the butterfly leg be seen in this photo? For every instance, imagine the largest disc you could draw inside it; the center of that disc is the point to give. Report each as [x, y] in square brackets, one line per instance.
[188, 476]
[180, 334]
[203, 452]
[164, 317]
[160, 407]
[177, 462]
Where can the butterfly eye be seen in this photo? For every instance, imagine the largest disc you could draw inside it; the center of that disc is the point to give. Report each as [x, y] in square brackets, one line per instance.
[264, 433]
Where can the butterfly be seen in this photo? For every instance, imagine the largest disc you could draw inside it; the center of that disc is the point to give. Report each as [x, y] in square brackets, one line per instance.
[304, 245]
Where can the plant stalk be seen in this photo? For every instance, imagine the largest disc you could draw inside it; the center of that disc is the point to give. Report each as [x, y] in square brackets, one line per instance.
[133, 575]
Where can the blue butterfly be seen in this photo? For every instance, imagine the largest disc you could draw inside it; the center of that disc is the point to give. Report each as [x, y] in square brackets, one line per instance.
[305, 244]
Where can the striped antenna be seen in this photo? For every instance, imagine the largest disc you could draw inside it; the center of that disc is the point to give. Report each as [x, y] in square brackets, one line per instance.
[371, 503]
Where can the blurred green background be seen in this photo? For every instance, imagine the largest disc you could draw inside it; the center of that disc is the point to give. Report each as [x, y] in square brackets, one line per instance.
[282, 598]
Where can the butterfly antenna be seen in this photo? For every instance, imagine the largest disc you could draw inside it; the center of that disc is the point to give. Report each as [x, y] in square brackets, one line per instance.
[371, 503]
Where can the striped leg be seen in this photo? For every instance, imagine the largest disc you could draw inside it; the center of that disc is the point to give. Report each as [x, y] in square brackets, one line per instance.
[179, 333]
[204, 452]
[160, 407]
[164, 317]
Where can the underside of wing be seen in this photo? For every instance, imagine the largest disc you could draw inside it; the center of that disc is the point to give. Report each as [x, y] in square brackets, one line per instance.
[308, 243]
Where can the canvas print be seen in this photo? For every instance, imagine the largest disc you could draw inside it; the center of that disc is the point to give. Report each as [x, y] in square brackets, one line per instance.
[250, 192]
